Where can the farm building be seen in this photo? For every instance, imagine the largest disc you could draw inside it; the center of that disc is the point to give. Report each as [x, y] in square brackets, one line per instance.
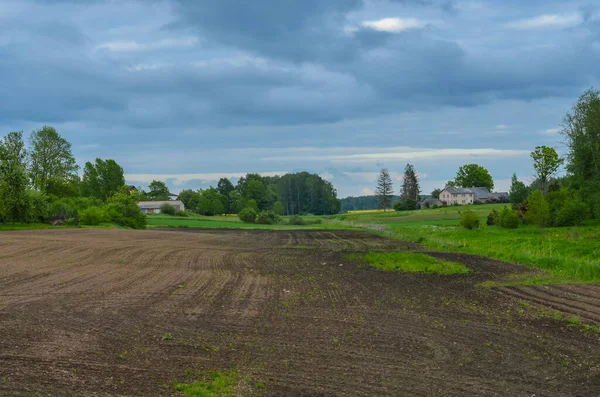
[463, 195]
[153, 207]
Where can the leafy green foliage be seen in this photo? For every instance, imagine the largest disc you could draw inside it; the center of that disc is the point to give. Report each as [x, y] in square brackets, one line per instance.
[473, 175]
[296, 220]
[410, 262]
[538, 210]
[216, 384]
[508, 218]
[167, 209]
[278, 208]
[248, 215]
[211, 202]
[158, 191]
[436, 193]
[493, 218]
[13, 178]
[407, 205]
[267, 218]
[518, 191]
[123, 210]
[53, 165]
[546, 162]
[92, 216]
[469, 219]
[102, 179]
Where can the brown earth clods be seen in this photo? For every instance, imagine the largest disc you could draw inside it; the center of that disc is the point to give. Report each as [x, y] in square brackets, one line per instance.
[87, 312]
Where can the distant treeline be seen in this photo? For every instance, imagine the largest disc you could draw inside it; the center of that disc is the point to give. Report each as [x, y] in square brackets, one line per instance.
[363, 203]
[291, 194]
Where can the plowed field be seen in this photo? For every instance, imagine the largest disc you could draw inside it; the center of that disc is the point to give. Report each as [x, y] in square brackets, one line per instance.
[117, 312]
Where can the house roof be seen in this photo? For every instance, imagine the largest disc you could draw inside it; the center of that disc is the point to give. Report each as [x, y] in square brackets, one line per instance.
[458, 190]
[157, 204]
[481, 192]
[478, 192]
[499, 194]
[431, 201]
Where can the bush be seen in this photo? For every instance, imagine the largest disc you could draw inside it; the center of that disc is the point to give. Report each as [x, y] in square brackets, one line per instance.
[167, 209]
[509, 219]
[92, 216]
[538, 210]
[296, 220]
[493, 218]
[37, 204]
[573, 213]
[267, 218]
[469, 220]
[62, 210]
[247, 215]
[123, 210]
[182, 213]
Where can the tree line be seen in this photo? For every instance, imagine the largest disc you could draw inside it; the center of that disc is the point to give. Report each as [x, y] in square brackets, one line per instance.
[41, 183]
[290, 194]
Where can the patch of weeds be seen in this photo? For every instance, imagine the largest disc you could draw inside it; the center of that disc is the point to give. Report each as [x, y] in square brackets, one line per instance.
[121, 262]
[182, 286]
[577, 323]
[167, 336]
[529, 279]
[260, 385]
[301, 247]
[122, 356]
[410, 262]
[213, 385]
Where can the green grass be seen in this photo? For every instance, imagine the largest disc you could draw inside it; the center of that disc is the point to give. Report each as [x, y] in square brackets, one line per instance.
[567, 254]
[26, 226]
[410, 262]
[217, 384]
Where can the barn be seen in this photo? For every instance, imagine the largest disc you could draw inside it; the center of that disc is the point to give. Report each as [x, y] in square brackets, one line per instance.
[153, 207]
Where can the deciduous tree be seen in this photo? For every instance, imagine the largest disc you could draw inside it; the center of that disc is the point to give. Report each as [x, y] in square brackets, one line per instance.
[546, 162]
[474, 175]
[158, 191]
[52, 162]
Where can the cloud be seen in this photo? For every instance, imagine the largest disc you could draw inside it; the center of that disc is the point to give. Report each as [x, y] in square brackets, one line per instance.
[395, 25]
[367, 192]
[547, 21]
[404, 154]
[180, 179]
[132, 46]
[552, 131]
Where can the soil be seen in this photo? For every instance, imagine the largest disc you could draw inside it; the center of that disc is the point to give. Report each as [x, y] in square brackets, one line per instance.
[83, 312]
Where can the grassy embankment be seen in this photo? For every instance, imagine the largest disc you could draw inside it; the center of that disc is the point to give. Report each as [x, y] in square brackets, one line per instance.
[568, 254]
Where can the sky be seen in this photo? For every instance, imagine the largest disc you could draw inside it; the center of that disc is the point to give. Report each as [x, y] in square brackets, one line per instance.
[188, 91]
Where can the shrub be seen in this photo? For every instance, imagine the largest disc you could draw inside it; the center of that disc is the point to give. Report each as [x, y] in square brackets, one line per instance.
[509, 219]
[252, 204]
[92, 216]
[493, 218]
[167, 209]
[37, 204]
[573, 213]
[469, 220]
[247, 215]
[182, 213]
[538, 210]
[62, 210]
[296, 220]
[267, 218]
[123, 210]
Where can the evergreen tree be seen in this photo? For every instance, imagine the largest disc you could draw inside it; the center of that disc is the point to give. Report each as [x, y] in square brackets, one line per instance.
[410, 185]
[384, 190]
[518, 191]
